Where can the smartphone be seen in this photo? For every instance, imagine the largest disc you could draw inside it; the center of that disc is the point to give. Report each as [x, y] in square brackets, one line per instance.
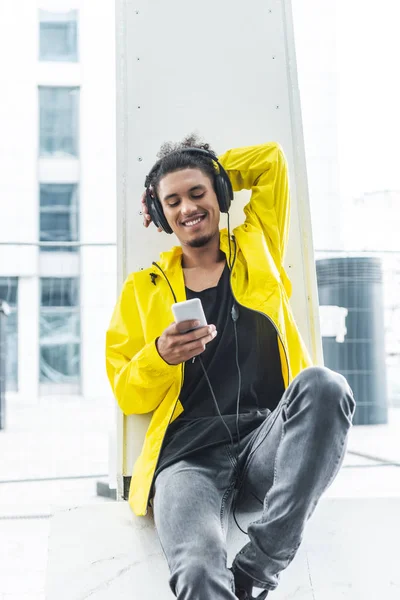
[189, 310]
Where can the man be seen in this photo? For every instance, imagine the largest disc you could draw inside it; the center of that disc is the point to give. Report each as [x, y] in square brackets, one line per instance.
[238, 418]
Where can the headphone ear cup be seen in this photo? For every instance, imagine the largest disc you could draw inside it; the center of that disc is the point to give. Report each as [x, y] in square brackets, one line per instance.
[156, 212]
[223, 189]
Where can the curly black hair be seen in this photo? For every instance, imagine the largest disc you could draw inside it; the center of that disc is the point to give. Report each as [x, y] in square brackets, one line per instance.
[172, 157]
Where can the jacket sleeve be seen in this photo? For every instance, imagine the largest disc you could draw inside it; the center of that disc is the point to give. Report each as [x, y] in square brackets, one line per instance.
[263, 170]
[138, 375]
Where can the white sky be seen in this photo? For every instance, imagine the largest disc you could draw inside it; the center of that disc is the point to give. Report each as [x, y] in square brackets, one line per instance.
[369, 95]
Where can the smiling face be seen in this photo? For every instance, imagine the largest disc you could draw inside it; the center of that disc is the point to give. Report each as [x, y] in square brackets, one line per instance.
[190, 205]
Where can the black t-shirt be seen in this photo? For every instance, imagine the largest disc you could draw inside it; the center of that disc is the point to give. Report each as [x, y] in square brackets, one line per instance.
[200, 426]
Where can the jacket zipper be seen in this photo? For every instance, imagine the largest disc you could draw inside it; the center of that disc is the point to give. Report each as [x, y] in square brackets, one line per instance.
[261, 313]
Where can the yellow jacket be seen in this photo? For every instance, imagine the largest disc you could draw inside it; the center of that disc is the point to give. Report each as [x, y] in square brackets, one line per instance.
[142, 382]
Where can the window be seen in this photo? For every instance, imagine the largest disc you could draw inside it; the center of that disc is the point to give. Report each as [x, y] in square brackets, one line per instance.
[60, 359]
[9, 293]
[58, 36]
[58, 121]
[59, 217]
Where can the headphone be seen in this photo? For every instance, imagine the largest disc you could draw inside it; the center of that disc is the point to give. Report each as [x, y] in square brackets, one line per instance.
[222, 185]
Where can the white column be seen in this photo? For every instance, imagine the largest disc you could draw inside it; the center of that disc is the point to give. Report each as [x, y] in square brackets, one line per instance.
[249, 98]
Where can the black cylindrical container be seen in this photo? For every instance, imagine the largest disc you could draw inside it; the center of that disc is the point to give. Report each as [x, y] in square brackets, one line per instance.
[356, 284]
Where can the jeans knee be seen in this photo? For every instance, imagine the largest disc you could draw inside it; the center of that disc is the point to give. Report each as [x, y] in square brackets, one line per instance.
[323, 377]
[328, 389]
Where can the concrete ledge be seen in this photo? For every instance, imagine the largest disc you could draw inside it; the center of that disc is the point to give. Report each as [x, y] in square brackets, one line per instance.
[103, 552]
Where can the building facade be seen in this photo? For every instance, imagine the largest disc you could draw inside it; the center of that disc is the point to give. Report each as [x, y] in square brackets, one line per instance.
[57, 193]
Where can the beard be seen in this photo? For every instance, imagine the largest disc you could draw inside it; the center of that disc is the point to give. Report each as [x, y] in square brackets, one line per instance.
[202, 241]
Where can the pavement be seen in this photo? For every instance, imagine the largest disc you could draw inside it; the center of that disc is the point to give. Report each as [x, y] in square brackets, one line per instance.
[52, 454]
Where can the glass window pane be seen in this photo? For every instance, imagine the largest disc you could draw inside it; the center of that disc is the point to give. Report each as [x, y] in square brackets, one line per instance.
[58, 121]
[9, 293]
[64, 322]
[59, 291]
[60, 363]
[57, 226]
[58, 36]
[9, 290]
[58, 194]
[12, 351]
[59, 330]
[59, 218]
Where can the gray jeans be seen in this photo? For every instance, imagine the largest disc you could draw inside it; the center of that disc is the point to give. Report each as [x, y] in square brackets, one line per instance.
[287, 464]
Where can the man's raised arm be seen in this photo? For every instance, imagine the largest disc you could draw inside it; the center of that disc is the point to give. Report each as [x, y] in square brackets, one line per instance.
[263, 169]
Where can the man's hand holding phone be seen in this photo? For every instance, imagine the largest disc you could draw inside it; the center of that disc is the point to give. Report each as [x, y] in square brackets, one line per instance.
[188, 336]
[182, 341]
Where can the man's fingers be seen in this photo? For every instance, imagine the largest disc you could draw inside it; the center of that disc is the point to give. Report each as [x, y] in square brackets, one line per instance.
[201, 333]
[176, 347]
[195, 348]
[198, 336]
[146, 220]
[185, 326]
[192, 331]
[145, 211]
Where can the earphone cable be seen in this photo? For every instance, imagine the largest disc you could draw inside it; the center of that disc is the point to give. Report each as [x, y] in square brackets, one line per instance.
[215, 400]
[236, 521]
[239, 383]
[239, 386]
[166, 279]
[236, 338]
[229, 241]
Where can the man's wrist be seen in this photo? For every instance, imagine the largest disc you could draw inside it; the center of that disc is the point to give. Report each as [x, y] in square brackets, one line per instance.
[159, 353]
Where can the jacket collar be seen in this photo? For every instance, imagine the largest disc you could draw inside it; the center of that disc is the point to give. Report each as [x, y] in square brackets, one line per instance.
[171, 264]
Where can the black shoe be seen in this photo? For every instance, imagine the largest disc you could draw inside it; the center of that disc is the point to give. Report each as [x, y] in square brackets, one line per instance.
[244, 587]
